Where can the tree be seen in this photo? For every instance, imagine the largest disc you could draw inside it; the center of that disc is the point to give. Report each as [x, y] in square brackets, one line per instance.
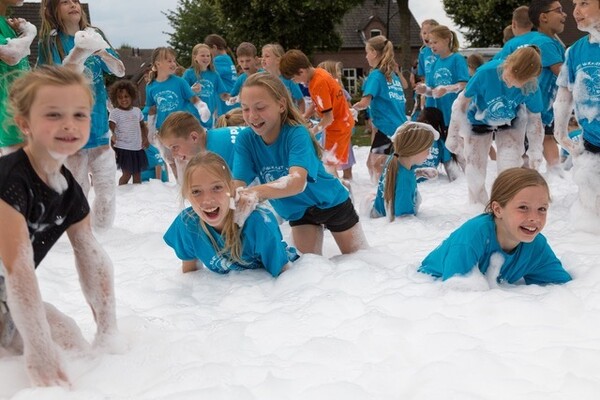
[192, 21]
[484, 20]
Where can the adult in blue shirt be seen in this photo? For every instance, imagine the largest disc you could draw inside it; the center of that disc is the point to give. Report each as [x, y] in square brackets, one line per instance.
[506, 240]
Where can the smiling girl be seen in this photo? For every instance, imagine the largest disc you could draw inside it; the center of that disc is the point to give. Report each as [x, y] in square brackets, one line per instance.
[207, 233]
[509, 231]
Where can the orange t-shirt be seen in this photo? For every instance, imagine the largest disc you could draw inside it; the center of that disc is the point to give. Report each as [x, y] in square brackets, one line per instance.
[327, 95]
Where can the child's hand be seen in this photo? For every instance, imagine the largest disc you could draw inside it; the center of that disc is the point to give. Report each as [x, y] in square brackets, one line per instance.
[196, 87]
[111, 343]
[232, 100]
[438, 92]
[46, 368]
[245, 202]
[203, 110]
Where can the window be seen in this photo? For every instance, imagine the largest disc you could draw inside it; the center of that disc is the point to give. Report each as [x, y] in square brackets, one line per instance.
[350, 80]
[375, 32]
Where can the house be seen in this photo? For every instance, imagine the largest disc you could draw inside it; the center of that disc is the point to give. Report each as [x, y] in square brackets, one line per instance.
[360, 24]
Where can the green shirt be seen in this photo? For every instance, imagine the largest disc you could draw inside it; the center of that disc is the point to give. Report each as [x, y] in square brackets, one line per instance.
[9, 133]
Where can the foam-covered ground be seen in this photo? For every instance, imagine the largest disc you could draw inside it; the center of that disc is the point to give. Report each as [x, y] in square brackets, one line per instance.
[362, 326]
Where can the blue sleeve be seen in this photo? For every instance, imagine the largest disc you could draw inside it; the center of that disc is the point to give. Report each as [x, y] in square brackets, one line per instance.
[552, 53]
[149, 99]
[188, 93]
[421, 64]
[219, 86]
[243, 164]
[178, 237]
[448, 260]
[534, 102]
[295, 91]
[269, 246]
[405, 196]
[462, 70]
[371, 85]
[190, 76]
[237, 86]
[549, 269]
[473, 84]
[301, 151]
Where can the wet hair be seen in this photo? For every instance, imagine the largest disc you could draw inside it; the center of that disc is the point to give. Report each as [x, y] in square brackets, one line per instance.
[50, 26]
[510, 182]
[24, 89]
[537, 8]
[179, 124]
[291, 63]
[122, 84]
[525, 64]
[434, 117]
[384, 49]
[475, 61]
[195, 52]
[231, 232]
[521, 18]
[158, 54]
[277, 90]
[443, 32]
[245, 49]
[507, 33]
[410, 139]
[233, 117]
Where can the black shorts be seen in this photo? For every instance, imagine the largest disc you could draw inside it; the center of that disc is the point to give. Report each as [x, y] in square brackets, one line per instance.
[485, 129]
[338, 218]
[549, 129]
[381, 144]
[592, 148]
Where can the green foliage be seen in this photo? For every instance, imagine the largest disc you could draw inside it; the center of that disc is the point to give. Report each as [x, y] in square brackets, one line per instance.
[192, 21]
[301, 24]
[484, 20]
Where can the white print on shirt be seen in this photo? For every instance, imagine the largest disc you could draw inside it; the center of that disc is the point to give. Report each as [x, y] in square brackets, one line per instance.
[167, 101]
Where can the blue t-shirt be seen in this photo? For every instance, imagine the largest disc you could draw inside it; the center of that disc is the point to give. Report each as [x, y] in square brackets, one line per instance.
[447, 71]
[492, 102]
[472, 245]
[237, 86]
[407, 199]
[426, 60]
[226, 70]
[552, 52]
[262, 243]
[388, 105]
[580, 74]
[94, 69]
[212, 88]
[222, 141]
[293, 148]
[170, 95]
[154, 160]
[293, 88]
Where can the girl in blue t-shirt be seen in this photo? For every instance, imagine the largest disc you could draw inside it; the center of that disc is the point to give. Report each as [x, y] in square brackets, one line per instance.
[278, 149]
[206, 231]
[271, 54]
[506, 240]
[224, 66]
[397, 193]
[383, 93]
[426, 58]
[492, 103]
[203, 79]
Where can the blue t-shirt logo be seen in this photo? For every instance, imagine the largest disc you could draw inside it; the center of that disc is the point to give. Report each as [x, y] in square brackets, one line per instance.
[443, 76]
[167, 101]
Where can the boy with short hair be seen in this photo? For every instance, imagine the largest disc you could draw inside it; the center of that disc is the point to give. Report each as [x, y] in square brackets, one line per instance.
[183, 135]
[247, 59]
[328, 98]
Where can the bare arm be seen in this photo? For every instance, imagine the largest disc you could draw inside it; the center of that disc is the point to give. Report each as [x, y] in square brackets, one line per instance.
[18, 48]
[563, 105]
[115, 66]
[442, 90]
[95, 271]
[144, 129]
[44, 364]
[326, 120]
[364, 102]
[188, 266]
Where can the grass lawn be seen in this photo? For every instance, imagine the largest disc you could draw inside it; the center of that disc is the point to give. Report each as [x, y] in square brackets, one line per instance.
[360, 138]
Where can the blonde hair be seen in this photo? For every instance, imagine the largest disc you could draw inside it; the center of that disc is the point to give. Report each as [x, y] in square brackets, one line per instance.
[179, 124]
[521, 19]
[333, 67]
[278, 91]
[510, 182]
[24, 89]
[159, 53]
[410, 139]
[443, 32]
[49, 13]
[524, 65]
[233, 117]
[231, 232]
[507, 33]
[384, 49]
[274, 48]
[475, 60]
[195, 51]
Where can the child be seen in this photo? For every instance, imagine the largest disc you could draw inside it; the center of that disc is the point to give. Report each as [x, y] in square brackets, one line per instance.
[224, 66]
[157, 169]
[205, 81]
[67, 38]
[449, 73]
[335, 69]
[247, 59]
[397, 193]
[328, 98]
[279, 150]
[506, 240]
[183, 135]
[16, 36]
[490, 105]
[233, 117]
[429, 168]
[39, 200]
[384, 95]
[206, 231]
[577, 88]
[271, 55]
[129, 130]
[426, 57]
